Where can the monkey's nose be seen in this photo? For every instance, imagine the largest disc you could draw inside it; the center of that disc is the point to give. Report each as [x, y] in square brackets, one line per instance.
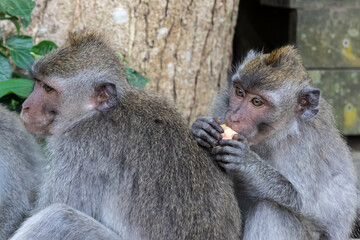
[25, 106]
[235, 118]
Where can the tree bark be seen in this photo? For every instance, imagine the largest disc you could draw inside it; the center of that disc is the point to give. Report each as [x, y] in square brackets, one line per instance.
[184, 47]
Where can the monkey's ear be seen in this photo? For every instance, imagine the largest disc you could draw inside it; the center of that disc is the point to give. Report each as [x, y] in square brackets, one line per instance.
[105, 96]
[308, 103]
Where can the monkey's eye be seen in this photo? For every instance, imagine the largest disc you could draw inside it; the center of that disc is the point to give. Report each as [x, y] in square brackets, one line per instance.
[47, 88]
[239, 92]
[257, 102]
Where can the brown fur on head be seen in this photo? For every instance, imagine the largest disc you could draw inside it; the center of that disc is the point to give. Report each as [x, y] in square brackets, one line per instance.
[284, 55]
[270, 71]
[82, 51]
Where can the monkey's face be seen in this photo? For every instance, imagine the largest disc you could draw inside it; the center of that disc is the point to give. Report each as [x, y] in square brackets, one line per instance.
[41, 107]
[249, 113]
[269, 94]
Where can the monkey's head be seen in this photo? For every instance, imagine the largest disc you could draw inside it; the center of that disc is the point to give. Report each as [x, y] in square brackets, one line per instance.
[82, 78]
[270, 93]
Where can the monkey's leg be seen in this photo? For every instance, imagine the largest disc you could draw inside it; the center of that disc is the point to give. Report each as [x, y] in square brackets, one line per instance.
[61, 222]
[268, 221]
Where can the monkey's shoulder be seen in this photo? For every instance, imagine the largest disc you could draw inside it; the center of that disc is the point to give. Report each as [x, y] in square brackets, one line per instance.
[150, 107]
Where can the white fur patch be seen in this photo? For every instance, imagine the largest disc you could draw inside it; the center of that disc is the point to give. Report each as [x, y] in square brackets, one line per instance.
[275, 96]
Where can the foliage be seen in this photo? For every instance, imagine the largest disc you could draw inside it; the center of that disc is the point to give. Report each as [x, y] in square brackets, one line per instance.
[136, 78]
[20, 50]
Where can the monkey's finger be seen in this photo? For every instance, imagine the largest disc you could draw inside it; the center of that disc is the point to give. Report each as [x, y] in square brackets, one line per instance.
[211, 131]
[225, 158]
[214, 123]
[200, 134]
[205, 131]
[214, 133]
[202, 143]
[217, 120]
[232, 143]
[239, 137]
[207, 138]
[227, 150]
[222, 164]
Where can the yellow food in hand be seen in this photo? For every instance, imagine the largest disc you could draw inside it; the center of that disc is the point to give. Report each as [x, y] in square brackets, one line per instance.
[228, 132]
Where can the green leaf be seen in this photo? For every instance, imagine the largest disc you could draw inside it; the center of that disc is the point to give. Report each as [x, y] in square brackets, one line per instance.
[22, 58]
[20, 87]
[20, 42]
[25, 22]
[5, 68]
[0, 34]
[20, 8]
[13, 104]
[136, 78]
[43, 48]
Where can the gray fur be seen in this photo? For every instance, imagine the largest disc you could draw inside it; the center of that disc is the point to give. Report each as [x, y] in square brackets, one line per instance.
[317, 164]
[134, 167]
[20, 159]
[299, 181]
[66, 223]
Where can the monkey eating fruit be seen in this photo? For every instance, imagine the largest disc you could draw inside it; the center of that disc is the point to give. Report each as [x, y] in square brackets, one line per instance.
[292, 170]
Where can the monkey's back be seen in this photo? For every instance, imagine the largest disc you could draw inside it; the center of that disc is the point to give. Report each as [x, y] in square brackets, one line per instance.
[159, 183]
[20, 159]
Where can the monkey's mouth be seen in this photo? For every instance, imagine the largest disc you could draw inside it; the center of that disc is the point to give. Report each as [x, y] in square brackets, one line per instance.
[34, 127]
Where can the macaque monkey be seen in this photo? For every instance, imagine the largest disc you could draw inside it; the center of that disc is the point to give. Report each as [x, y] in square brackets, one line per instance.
[122, 161]
[291, 168]
[20, 167]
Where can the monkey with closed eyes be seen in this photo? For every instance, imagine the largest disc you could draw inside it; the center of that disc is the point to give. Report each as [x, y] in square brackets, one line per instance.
[291, 168]
[123, 163]
[20, 170]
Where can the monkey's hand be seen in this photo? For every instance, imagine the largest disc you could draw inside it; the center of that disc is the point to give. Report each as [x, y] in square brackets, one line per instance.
[259, 178]
[233, 154]
[207, 131]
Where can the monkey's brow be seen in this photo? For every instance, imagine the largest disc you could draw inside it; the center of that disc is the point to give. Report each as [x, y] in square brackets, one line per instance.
[246, 85]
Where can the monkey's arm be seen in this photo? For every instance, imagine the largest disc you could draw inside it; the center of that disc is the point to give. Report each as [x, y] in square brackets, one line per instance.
[259, 178]
[207, 131]
[59, 221]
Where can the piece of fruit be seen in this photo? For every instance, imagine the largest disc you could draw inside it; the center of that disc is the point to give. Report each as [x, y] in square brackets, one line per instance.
[228, 132]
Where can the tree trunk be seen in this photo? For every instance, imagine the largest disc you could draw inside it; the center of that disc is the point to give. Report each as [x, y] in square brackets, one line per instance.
[184, 47]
